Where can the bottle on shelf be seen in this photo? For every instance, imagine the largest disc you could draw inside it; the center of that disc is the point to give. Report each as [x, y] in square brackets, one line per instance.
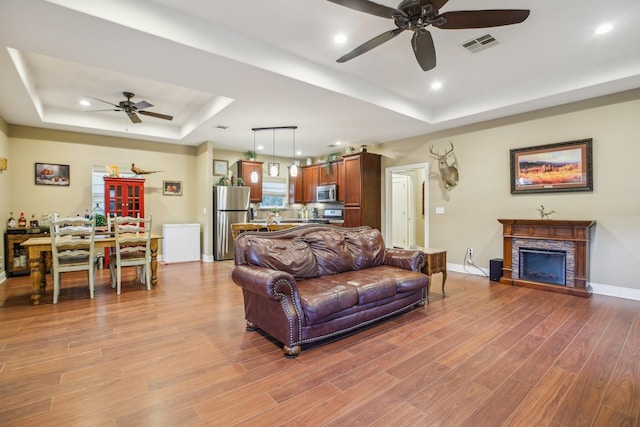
[86, 214]
[11, 222]
[44, 221]
[22, 221]
[34, 222]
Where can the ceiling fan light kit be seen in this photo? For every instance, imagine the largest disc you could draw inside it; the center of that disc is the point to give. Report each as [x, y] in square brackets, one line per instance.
[417, 15]
[132, 109]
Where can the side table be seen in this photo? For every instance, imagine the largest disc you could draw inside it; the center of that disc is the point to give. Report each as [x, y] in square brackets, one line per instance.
[436, 263]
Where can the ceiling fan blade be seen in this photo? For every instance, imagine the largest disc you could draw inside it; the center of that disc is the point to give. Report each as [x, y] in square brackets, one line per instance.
[134, 117]
[368, 7]
[106, 102]
[437, 4]
[142, 105]
[367, 46]
[158, 115]
[481, 18]
[109, 109]
[424, 50]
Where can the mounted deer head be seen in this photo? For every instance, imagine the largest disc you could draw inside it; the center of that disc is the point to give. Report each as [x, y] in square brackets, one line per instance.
[448, 171]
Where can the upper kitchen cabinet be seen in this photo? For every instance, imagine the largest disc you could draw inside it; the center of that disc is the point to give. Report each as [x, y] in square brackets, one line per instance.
[245, 168]
[340, 180]
[362, 181]
[328, 175]
[309, 183]
[295, 187]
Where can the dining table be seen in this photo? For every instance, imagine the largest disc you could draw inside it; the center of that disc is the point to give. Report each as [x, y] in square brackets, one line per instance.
[38, 247]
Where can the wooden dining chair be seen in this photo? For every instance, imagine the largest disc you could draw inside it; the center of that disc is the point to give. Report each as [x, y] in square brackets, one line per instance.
[132, 249]
[277, 227]
[238, 228]
[72, 249]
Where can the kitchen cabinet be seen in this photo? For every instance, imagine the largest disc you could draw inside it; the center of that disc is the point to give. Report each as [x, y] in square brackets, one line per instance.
[362, 198]
[245, 168]
[309, 183]
[295, 187]
[15, 255]
[124, 196]
[326, 177]
[340, 180]
[352, 217]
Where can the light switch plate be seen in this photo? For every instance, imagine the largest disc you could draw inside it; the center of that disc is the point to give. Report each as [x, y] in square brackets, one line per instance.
[440, 211]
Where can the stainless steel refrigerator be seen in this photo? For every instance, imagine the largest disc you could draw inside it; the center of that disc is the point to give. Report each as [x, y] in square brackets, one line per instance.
[230, 206]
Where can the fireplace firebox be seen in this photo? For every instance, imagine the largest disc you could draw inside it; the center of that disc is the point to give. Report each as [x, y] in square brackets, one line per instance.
[547, 254]
[542, 265]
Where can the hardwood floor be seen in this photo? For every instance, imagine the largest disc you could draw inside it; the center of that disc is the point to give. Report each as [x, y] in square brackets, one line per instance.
[486, 355]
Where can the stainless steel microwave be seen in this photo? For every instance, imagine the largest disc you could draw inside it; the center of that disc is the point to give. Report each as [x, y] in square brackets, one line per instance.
[327, 193]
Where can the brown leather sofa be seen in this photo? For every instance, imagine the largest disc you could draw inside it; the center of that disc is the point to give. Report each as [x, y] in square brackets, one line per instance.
[314, 282]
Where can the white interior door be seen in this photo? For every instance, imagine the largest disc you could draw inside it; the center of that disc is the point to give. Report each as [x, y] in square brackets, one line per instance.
[399, 213]
[413, 226]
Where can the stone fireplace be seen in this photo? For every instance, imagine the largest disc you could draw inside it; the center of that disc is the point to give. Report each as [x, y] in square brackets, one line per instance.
[547, 254]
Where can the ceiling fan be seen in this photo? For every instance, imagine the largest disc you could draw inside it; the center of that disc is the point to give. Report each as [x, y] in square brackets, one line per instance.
[131, 108]
[417, 15]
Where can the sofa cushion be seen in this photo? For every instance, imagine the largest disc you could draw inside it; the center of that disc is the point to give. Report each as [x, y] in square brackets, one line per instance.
[366, 247]
[291, 255]
[321, 298]
[373, 288]
[331, 251]
[406, 280]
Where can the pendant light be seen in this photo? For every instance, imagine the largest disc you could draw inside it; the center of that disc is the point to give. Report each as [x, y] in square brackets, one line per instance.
[273, 167]
[254, 174]
[294, 167]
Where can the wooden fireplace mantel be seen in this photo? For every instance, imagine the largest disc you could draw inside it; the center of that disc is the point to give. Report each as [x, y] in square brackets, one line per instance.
[576, 232]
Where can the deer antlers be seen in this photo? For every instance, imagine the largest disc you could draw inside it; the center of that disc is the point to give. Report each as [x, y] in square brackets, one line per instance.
[438, 156]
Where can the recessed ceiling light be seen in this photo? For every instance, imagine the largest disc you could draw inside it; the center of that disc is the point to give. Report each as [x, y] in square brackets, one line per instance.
[260, 147]
[436, 85]
[85, 103]
[298, 153]
[340, 38]
[338, 142]
[604, 28]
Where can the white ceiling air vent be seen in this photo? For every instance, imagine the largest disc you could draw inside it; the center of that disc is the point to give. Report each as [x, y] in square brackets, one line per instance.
[481, 43]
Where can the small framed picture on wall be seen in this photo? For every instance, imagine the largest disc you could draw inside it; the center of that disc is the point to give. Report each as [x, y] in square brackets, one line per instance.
[220, 167]
[172, 188]
[52, 174]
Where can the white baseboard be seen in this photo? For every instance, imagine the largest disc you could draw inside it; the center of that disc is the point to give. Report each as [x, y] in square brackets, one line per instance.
[468, 269]
[596, 288]
[615, 291]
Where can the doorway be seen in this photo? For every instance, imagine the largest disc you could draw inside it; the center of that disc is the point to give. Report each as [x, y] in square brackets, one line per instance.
[406, 201]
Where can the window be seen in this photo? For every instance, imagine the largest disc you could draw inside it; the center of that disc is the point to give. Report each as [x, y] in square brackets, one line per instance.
[97, 187]
[274, 192]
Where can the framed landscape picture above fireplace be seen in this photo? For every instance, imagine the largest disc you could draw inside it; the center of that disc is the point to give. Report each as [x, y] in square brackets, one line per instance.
[563, 166]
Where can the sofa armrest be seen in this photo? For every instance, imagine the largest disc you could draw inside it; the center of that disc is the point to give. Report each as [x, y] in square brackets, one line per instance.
[405, 258]
[269, 283]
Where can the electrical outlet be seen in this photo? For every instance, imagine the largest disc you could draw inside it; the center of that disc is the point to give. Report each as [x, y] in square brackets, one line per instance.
[469, 252]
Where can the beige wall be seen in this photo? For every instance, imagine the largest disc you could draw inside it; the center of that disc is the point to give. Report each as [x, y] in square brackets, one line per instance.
[4, 189]
[483, 193]
[81, 152]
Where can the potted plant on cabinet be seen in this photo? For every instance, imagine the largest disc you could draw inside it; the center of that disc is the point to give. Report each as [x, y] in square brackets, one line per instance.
[331, 157]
